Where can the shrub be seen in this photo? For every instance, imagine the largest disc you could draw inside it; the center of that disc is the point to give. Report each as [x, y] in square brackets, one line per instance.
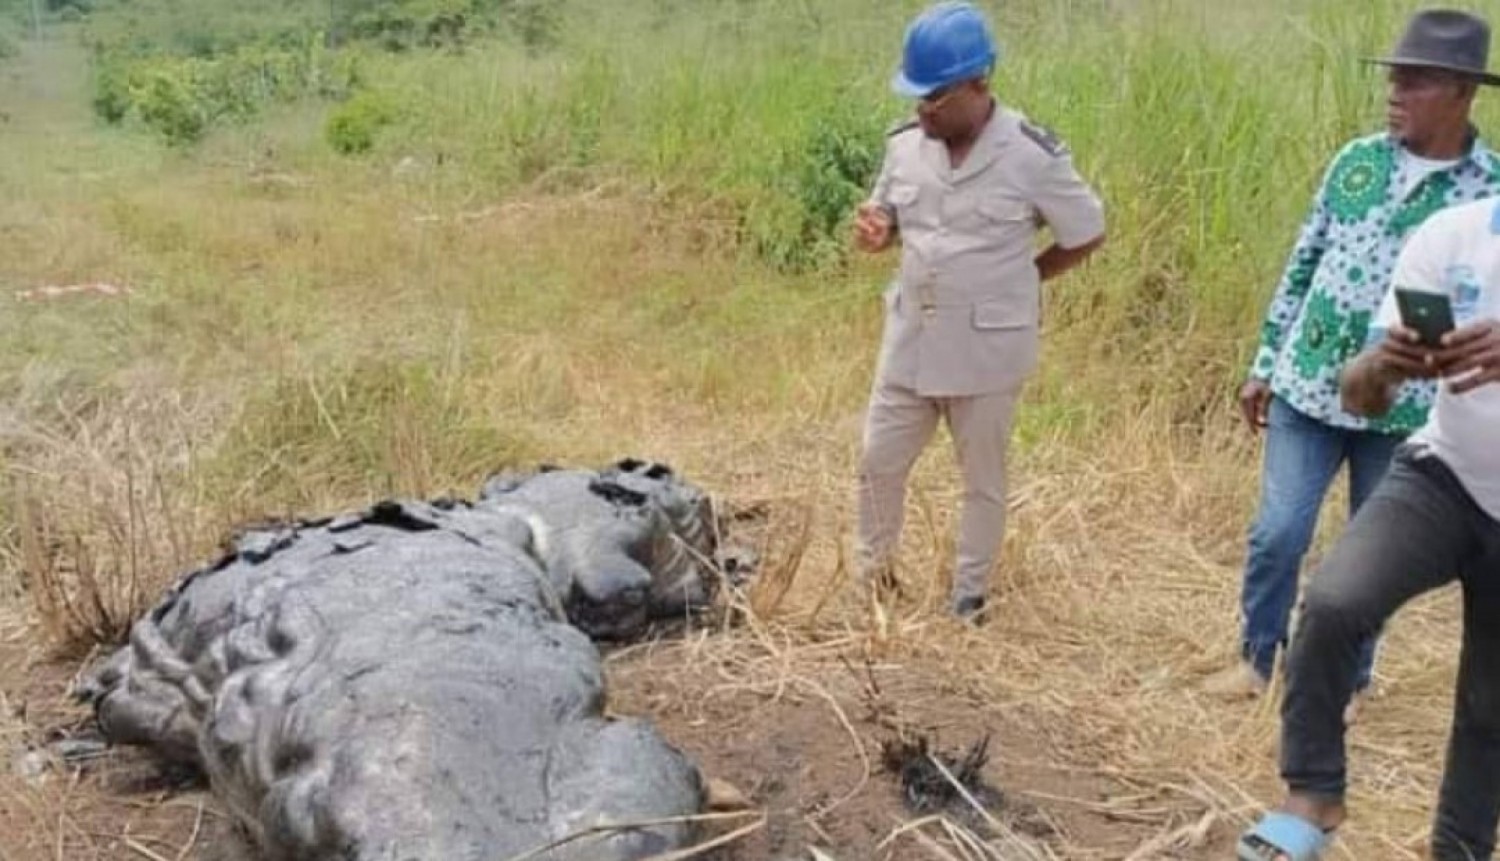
[183, 97]
[819, 179]
[111, 93]
[166, 96]
[352, 128]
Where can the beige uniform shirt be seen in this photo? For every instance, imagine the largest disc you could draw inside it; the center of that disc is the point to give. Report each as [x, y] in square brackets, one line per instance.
[962, 317]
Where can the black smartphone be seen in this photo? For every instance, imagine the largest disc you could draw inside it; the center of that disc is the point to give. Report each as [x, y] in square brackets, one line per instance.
[1428, 314]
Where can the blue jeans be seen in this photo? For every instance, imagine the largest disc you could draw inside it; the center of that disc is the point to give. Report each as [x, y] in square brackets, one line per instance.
[1302, 457]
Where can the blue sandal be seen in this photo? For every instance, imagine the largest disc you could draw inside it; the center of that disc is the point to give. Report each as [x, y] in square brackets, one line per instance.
[1283, 835]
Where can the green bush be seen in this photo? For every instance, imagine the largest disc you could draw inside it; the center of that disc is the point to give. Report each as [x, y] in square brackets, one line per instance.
[402, 26]
[166, 96]
[182, 70]
[537, 23]
[183, 97]
[111, 93]
[837, 166]
[211, 28]
[70, 9]
[352, 127]
[819, 179]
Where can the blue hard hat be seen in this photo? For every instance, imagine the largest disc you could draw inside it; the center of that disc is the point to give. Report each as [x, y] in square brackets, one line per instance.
[948, 43]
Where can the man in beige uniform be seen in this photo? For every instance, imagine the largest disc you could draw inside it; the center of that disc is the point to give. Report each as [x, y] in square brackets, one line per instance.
[965, 188]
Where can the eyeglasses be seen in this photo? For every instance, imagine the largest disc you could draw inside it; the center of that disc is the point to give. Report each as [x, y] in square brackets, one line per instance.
[937, 98]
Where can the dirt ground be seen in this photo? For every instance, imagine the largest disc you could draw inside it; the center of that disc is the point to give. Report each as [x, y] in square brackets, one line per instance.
[803, 747]
[118, 805]
[806, 750]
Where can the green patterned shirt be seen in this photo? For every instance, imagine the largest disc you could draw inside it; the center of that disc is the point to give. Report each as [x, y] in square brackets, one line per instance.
[1339, 271]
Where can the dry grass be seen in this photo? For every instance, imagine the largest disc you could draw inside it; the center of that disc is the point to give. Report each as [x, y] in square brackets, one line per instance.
[1117, 593]
[1117, 596]
[332, 342]
[104, 510]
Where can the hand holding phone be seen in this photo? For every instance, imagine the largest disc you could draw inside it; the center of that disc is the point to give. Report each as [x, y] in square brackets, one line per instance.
[1472, 356]
[1430, 315]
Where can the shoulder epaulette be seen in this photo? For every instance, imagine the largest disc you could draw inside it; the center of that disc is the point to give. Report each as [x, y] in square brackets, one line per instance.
[1044, 138]
[900, 127]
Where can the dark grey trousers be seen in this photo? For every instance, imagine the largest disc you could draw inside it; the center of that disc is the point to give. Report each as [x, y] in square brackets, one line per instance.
[1418, 531]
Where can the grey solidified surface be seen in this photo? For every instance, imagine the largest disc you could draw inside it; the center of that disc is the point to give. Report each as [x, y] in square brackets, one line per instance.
[404, 683]
[624, 546]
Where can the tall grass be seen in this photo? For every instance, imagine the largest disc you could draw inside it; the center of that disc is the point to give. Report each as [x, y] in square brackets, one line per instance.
[707, 155]
[630, 241]
[1204, 124]
[648, 220]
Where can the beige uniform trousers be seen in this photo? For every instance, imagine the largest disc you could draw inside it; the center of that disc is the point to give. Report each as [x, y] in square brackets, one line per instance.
[898, 427]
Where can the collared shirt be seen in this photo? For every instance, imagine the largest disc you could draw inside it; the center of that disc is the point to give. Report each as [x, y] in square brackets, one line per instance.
[1340, 269]
[1457, 253]
[961, 318]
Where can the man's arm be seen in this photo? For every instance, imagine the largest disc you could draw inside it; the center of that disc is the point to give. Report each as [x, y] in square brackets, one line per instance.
[1471, 356]
[1369, 384]
[1056, 259]
[1292, 289]
[1070, 208]
[875, 219]
[1363, 389]
[1286, 304]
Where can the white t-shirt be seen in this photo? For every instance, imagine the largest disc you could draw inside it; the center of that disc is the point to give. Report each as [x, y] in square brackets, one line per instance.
[1457, 252]
[1413, 168]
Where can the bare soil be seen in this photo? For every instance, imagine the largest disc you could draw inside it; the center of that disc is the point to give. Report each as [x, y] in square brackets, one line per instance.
[807, 751]
[803, 749]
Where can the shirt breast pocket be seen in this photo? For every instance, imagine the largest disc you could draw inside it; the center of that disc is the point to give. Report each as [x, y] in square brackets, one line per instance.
[1003, 211]
[1000, 220]
[903, 194]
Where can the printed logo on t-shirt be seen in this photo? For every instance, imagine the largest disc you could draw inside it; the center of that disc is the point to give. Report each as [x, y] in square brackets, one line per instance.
[1463, 286]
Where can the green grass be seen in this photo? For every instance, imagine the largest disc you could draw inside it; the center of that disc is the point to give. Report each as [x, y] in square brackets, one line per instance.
[633, 238]
[629, 242]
